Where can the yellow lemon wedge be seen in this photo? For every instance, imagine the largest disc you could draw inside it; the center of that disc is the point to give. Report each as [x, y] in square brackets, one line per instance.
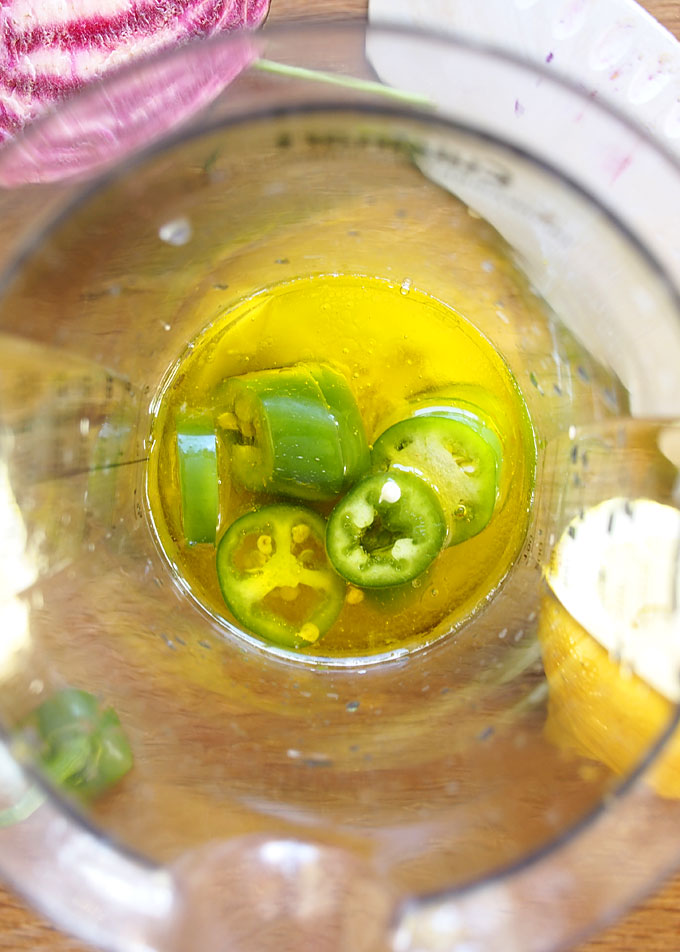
[610, 636]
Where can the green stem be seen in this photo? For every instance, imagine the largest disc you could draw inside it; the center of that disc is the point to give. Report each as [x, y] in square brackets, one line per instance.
[348, 82]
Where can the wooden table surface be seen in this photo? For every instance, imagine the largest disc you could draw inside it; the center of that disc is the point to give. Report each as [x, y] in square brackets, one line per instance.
[652, 927]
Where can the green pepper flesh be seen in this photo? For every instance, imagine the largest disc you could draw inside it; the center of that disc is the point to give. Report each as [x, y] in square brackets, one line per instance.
[275, 576]
[295, 431]
[463, 412]
[83, 747]
[386, 531]
[198, 479]
[458, 461]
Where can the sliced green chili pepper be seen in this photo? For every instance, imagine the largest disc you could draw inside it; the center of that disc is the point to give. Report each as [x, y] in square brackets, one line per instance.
[462, 411]
[454, 458]
[386, 530]
[81, 746]
[198, 479]
[275, 576]
[296, 431]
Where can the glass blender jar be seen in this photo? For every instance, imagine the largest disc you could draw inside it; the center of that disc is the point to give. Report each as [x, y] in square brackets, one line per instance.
[464, 792]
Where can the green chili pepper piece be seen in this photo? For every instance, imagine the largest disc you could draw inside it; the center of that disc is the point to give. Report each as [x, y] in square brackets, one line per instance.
[343, 407]
[295, 431]
[83, 747]
[198, 479]
[455, 458]
[80, 747]
[386, 531]
[275, 576]
[462, 412]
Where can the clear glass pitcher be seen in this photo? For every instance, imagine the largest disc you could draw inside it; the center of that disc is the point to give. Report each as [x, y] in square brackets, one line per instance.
[481, 791]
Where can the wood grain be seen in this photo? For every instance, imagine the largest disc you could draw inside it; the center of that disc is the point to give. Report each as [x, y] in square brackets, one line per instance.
[653, 927]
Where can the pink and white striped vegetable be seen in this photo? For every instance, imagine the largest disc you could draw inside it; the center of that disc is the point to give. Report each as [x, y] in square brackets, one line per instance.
[51, 48]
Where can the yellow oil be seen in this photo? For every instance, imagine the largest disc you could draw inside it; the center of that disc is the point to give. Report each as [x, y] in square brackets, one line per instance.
[392, 343]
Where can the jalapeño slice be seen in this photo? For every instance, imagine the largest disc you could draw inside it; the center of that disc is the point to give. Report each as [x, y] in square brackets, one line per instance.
[275, 576]
[386, 530]
[198, 479]
[453, 457]
[441, 406]
[295, 431]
